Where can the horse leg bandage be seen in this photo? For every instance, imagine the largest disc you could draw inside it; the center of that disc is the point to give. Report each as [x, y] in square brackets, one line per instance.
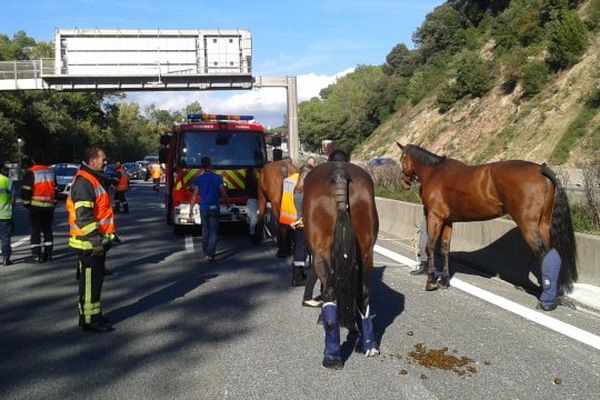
[366, 334]
[332, 332]
[550, 272]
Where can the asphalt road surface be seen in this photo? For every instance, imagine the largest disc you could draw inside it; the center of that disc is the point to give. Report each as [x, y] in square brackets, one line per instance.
[235, 329]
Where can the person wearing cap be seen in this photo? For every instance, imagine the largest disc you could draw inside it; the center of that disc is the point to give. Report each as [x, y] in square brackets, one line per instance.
[7, 203]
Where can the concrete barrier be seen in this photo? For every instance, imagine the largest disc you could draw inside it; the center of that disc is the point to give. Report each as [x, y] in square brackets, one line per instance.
[495, 247]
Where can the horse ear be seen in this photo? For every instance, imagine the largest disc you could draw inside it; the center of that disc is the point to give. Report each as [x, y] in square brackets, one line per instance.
[401, 147]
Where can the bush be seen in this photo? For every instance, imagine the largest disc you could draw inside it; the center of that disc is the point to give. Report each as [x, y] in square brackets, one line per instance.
[534, 77]
[567, 41]
[446, 98]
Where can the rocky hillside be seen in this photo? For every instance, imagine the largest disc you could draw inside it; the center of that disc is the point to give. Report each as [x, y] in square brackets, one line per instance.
[505, 124]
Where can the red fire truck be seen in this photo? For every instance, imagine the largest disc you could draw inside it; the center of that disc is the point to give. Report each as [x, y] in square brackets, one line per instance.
[233, 142]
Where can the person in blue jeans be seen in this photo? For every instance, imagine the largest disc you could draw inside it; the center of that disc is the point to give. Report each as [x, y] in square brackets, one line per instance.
[209, 185]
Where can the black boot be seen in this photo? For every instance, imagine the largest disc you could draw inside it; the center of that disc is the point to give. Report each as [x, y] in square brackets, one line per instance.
[6, 260]
[125, 208]
[421, 269]
[117, 208]
[98, 325]
[298, 278]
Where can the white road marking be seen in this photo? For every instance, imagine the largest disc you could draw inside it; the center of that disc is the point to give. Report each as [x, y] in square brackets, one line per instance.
[20, 242]
[189, 244]
[535, 316]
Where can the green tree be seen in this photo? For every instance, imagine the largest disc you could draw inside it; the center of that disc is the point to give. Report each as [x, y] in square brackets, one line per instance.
[567, 41]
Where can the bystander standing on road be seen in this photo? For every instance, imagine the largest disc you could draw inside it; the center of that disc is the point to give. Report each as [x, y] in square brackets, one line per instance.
[7, 204]
[92, 232]
[38, 192]
[121, 184]
[208, 186]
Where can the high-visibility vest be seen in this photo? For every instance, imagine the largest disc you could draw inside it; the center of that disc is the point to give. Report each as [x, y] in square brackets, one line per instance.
[103, 214]
[5, 198]
[43, 193]
[123, 184]
[288, 213]
[156, 171]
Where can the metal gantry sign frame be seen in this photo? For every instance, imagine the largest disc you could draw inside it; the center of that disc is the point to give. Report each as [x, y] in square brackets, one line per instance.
[150, 60]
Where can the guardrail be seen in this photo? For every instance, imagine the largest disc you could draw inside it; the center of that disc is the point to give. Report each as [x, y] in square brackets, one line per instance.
[494, 247]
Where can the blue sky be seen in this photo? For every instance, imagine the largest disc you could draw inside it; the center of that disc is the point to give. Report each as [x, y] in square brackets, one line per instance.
[314, 40]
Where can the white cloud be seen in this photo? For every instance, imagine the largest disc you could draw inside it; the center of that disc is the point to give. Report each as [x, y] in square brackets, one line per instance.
[268, 105]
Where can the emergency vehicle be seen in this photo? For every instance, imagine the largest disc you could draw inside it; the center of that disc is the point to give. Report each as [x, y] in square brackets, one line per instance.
[233, 142]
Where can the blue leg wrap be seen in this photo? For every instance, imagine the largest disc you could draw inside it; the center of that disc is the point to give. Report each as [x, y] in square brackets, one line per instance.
[367, 336]
[332, 332]
[550, 271]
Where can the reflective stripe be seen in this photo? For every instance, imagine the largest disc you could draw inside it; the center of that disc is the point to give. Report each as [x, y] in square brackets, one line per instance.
[89, 228]
[87, 204]
[41, 204]
[5, 198]
[190, 174]
[80, 244]
[27, 187]
[288, 213]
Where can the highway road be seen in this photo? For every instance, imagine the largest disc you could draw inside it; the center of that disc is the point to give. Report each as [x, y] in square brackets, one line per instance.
[235, 329]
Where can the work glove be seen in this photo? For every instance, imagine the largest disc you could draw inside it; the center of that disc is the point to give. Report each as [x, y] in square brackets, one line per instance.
[98, 251]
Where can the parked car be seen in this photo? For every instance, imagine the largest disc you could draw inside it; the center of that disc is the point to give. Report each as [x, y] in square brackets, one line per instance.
[109, 170]
[381, 161]
[64, 177]
[133, 170]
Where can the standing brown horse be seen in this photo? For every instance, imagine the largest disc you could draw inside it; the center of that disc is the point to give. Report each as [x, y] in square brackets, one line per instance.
[270, 188]
[340, 226]
[530, 193]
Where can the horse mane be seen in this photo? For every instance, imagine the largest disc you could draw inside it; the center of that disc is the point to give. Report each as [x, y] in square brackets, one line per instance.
[424, 156]
[339, 155]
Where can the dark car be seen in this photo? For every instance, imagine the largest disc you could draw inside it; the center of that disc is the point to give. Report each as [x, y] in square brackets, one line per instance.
[133, 170]
[381, 161]
[64, 174]
[110, 170]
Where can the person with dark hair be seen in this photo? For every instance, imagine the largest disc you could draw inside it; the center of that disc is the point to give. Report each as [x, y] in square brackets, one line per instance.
[38, 192]
[339, 155]
[92, 233]
[208, 186]
[7, 204]
[121, 184]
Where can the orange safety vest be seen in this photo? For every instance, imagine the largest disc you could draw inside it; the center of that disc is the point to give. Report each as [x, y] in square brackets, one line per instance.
[123, 184]
[43, 193]
[156, 171]
[288, 214]
[103, 214]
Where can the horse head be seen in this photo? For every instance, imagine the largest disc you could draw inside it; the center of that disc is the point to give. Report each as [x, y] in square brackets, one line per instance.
[408, 169]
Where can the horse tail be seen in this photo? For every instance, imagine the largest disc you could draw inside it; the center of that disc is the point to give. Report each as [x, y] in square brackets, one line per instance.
[562, 236]
[346, 275]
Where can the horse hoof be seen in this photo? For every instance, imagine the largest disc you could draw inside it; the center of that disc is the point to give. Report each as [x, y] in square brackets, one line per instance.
[333, 363]
[431, 286]
[444, 283]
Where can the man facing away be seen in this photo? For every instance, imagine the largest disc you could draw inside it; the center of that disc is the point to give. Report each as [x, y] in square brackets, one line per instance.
[121, 183]
[38, 192]
[7, 203]
[92, 232]
[208, 186]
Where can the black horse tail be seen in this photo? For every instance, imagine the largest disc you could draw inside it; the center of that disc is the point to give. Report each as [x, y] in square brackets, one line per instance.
[562, 236]
[346, 276]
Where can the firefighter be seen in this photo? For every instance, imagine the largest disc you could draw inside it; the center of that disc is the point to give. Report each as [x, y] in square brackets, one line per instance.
[289, 217]
[7, 203]
[121, 184]
[92, 233]
[38, 192]
[155, 172]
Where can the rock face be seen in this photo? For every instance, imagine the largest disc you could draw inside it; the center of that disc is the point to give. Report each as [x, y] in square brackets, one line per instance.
[500, 125]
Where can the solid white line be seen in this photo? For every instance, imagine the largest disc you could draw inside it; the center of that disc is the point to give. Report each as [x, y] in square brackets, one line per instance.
[542, 319]
[19, 242]
[189, 244]
[395, 256]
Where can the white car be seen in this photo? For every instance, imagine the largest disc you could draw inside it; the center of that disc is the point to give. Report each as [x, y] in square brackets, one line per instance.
[64, 177]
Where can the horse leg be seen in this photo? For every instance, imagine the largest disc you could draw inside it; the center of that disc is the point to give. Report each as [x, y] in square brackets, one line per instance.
[332, 355]
[434, 227]
[445, 249]
[367, 335]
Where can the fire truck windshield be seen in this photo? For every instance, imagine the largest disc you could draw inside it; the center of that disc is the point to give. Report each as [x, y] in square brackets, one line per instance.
[225, 148]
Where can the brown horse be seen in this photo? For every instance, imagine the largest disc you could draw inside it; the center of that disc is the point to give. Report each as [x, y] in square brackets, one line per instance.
[340, 226]
[270, 189]
[530, 193]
